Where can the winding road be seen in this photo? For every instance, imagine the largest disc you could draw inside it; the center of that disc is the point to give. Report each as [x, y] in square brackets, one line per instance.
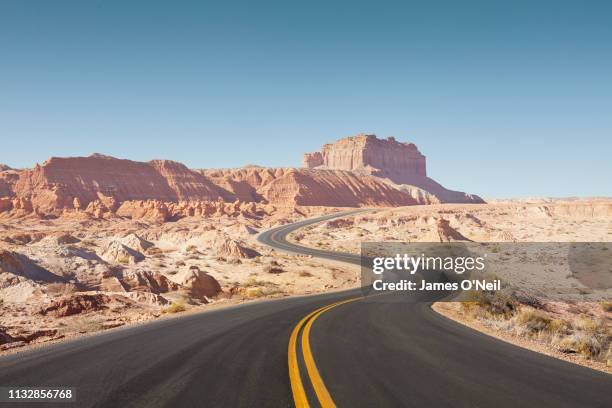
[331, 349]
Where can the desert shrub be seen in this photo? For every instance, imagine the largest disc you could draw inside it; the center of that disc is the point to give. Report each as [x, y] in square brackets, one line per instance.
[255, 292]
[606, 305]
[590, 325]
[123, 260]
[221, 259]
[494, 305]
[175, 307]
[252, 281]
[234, 261]
[192, 249]
[558, 326]
[582, 343]
[533, 320]
[88, 243]
[273, 269]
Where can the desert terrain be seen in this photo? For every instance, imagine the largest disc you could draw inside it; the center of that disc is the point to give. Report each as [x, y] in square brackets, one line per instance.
[97, 242]
[93, 243]
[578, 328]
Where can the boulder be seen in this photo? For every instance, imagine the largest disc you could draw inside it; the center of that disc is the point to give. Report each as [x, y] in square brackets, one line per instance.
[197, 283]
[229, 248]
[116, 252]
[75, 304]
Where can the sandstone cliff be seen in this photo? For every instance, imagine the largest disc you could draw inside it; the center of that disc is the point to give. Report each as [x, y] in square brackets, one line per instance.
[366, 153]
[402, 164]
[353, 172]
[75, 182]
[288, 186]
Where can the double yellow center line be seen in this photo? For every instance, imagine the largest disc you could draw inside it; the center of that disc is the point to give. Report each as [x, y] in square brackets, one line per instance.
[297, 387]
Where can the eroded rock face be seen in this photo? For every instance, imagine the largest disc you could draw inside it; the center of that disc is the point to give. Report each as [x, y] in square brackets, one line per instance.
[77, 181]
[118, 253]
[367, 153]
[400, 163]
[228, 247]
[308, 187]
[75, 304]
[352, 172]
[147, 281]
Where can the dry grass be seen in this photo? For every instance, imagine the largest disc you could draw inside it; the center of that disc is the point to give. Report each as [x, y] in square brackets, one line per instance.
[175, 307]
[273, 269]
[606, 305]
[586, 336]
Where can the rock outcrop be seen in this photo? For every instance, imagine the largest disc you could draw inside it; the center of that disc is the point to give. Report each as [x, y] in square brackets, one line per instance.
[75, 182]
[75, 304]
[197, 283]
[400, 163]
[116, 252]
[366, 153]
[228, 247]
[136, 243]
[147, 281]
[307, 187]
[353, 172]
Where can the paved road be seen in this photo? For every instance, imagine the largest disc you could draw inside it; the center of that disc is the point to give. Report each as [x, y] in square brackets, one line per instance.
[373, 352]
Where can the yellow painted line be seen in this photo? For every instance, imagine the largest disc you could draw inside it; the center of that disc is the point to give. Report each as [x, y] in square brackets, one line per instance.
[321, 391]
[297, 387]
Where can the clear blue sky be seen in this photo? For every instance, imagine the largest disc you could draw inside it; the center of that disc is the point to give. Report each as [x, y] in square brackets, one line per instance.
[506, 98]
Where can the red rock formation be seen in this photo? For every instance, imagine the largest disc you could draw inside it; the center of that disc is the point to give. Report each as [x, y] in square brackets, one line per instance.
[197, 283]
[400, 163]
[367, 153]
[75, 304]
[353, 172]
[288, 187]
[59, 181]
[8, 178]
[231, 248]
[147, 281]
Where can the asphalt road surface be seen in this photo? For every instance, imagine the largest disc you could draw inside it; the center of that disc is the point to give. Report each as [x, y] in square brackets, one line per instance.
[381, 351]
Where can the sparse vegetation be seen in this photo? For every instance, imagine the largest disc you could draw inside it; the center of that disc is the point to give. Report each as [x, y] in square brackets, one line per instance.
[533, 320]
[273, 269]
[581, 343]
[587, 336]
[192, 249]
[175, 307]
[88, 243]
[606, 305]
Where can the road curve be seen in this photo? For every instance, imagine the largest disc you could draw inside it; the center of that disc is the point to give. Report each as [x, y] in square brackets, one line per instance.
[373, 352]
[392, 350]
